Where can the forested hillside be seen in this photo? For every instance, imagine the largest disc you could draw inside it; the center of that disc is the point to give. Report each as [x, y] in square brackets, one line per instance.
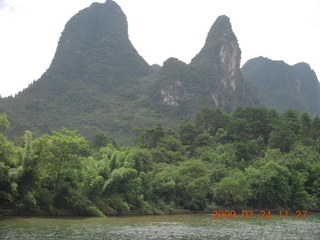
[98, 82]
[282, 87]
[102, 132]
[252, 158]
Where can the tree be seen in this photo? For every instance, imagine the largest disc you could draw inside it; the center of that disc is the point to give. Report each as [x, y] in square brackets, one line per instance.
[305, 129]
[211, 120]
[4, 123]
[270, 185]
[162, 155]
[315, 128]
[150, 137]
[203, 139]
[233, 191]
[115, 182]
[188, 133]
[238, 129]
[62, 156]
[260, 120]
[282, 137]
[291, 117]
[193, 185]
[171, 143]
[221, 154]
[99, 140]
[247, 150]
[142, 160]
[313, 182]
[8, 185]
[300, 198]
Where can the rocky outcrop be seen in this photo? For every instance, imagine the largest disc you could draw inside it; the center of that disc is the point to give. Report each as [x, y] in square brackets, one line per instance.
[221, 52]
[309, 87]
[172, 78]
[98, 82]
[213, 78]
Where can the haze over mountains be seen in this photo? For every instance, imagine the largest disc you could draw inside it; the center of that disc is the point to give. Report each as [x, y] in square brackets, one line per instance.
[98, 82]
[281, 86]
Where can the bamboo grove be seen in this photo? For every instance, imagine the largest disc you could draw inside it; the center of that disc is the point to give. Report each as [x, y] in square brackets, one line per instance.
[254, 157]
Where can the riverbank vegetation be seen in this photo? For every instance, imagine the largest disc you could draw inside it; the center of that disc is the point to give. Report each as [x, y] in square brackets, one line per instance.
[252, 158]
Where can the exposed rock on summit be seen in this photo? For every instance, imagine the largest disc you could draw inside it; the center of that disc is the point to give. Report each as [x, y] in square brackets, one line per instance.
[221, 52]
[98, 82]
[172, 74]
[213, 78]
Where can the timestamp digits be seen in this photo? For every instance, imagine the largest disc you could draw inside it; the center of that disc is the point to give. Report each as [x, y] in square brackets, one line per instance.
[262, 214]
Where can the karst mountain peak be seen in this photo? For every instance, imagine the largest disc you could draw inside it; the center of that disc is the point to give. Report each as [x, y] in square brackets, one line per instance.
[222, 52]
[97, 81]
[97, 35]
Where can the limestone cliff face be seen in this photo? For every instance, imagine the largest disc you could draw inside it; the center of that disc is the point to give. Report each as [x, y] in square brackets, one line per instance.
[309, 87]
[213, 78]
[171, 76]
[221, 52]
[98, 82]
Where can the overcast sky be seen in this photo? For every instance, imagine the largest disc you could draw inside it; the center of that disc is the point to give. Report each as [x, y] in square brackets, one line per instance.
[287, 30]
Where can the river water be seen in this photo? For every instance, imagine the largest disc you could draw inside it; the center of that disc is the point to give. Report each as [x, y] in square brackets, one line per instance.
[160, 227]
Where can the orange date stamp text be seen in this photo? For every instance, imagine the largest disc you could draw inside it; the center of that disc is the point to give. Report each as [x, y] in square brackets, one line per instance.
[262, 214]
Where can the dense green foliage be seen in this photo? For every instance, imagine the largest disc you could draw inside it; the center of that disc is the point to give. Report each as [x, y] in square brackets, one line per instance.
[282, 87]
[99, 84]
[254, 158]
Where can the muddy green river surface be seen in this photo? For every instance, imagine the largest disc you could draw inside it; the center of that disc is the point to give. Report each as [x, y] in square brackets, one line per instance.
[161, 227]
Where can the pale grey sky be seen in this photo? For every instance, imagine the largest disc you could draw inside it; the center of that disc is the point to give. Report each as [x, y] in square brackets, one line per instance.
[287, 30]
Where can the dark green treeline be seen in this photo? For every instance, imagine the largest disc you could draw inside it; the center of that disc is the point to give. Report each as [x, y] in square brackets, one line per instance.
[253, 158]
